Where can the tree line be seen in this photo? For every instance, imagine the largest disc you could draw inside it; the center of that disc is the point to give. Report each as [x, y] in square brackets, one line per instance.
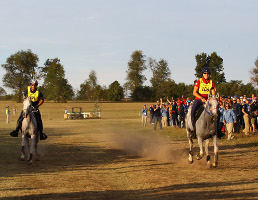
[22, 66]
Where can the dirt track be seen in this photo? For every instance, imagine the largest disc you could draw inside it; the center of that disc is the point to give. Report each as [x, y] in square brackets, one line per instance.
[114, 158]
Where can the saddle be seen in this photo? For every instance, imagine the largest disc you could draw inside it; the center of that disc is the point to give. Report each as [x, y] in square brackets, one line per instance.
[198, 113]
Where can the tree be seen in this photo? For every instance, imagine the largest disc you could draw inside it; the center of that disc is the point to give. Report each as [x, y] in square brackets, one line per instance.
[160, 72]
[56, 87]
[235, 87]
[136, 66]
[90, 89]
[93, 79]
[2, 93]
[214, 63]
[254, 73]
[143, 93]
[84, 92]
[20, 68]
[115, 92]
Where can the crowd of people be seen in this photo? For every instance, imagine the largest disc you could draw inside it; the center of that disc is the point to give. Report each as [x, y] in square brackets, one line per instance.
[235, 113]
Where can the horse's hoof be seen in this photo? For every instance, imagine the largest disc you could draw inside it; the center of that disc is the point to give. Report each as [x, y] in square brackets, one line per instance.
[199, 157]
[209, 164]
[215, 165]
[190, 158]
[29, 162]
[22, 157]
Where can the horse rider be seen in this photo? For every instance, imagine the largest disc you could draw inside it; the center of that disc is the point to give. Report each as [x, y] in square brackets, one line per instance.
[37, 100]
[202, 88]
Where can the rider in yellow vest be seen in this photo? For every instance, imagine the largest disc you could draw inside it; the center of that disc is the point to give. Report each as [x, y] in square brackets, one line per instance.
[37, 100]
[202, 88]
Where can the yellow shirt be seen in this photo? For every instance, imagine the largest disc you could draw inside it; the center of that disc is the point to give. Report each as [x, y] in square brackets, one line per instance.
[33, 96]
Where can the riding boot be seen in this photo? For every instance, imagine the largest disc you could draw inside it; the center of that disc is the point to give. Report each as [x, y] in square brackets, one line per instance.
[43, 136]
[18, 127]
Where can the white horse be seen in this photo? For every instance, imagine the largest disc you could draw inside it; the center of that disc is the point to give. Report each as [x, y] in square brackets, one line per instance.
[206, 128]
[29, 130]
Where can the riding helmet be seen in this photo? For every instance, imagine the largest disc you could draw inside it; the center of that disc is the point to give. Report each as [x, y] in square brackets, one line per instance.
[205, 69]
[34, 81]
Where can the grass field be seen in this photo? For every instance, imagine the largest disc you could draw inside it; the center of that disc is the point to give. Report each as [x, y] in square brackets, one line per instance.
[115, 158]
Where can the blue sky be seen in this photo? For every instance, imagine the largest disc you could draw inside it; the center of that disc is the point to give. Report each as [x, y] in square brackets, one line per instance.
[102, 34]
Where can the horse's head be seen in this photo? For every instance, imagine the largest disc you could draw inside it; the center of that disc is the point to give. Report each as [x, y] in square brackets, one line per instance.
[27, 107]
[213, 105]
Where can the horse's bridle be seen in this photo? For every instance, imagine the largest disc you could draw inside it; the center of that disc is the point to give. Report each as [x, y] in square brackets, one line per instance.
[209, 113]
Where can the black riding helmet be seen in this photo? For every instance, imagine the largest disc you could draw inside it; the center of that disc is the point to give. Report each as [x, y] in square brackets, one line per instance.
[206, 69]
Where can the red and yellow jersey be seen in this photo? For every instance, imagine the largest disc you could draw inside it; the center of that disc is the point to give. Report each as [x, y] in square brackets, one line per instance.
[204, 87]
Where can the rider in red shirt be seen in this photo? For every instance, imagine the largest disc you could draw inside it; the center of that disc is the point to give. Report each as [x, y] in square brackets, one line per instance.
[202, 88]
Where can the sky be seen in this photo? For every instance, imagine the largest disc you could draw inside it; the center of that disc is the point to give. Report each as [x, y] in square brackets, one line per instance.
[101, 35]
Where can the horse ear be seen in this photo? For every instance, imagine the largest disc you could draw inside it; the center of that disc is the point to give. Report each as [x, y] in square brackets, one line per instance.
[209, 95]
[217, 95]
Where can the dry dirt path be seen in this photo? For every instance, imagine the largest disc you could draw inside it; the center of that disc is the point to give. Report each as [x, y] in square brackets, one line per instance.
[117, 159]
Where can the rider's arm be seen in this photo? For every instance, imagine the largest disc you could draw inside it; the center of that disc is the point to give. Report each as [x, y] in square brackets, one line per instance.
[196, 94]
[41, 101]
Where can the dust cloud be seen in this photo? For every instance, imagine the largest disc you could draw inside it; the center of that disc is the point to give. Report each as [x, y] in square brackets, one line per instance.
[151, 146]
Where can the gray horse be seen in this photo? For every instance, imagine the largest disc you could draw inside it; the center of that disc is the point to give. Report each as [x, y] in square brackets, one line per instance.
[206, 128]
[29, 130]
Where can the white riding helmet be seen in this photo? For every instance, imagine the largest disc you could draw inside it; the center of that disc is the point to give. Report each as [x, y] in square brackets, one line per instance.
[33, 81]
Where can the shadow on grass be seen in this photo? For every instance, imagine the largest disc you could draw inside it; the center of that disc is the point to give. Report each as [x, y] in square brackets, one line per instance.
[177, 191]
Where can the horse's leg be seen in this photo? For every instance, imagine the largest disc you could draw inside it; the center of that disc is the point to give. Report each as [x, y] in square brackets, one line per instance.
[23, 147]
[200, 143]
[190, 158]
[216, 150]
[31, 148]
[36, 147]
[208, 158]
[28, 144]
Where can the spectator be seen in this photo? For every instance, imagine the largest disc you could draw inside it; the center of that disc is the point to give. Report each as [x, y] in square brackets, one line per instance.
[151, 109]
[253, 97]
[66, 110]
[144, 115]
[168, 107]
[7, 112]
[164, 115]
[220, 122]
[245, 97]
[246, 111]
[181, 114]
[236, 109]
[241, 116]
[14, 111]
[173, 119]
[157, 117]
[187, 105]
[253, 108]
[229, 118]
